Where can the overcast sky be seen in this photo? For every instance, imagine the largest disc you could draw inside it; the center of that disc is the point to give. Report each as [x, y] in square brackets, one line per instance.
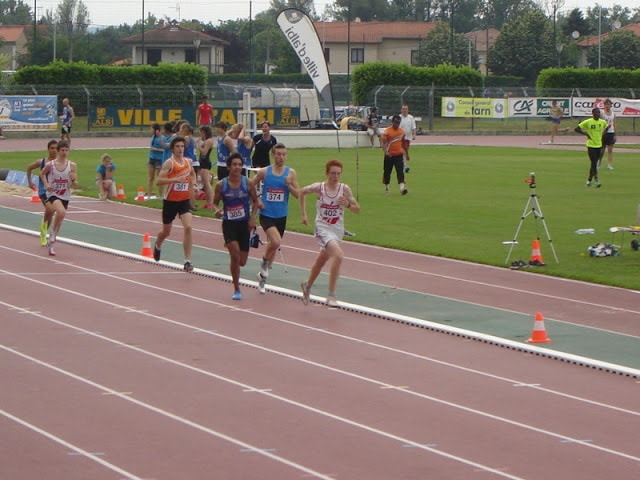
[116, 12]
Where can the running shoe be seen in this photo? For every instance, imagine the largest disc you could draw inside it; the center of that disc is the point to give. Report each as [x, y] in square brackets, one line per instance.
[331, 301]
[262, 281]
[156, 253]
[43, 234]
[188, 267]
[404, 191]
[306, 291]
[52, 253]
[264, 268]
[237, 295]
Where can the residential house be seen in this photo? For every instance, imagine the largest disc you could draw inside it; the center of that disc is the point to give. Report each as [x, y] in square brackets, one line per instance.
[483, 40]
[589, 42]
[14, 43]
[175, 44]
[348, 45]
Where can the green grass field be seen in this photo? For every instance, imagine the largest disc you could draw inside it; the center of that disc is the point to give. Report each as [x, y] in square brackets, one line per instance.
[463, 202]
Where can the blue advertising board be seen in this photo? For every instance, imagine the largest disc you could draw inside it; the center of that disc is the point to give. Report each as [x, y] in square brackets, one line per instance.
[28, 112]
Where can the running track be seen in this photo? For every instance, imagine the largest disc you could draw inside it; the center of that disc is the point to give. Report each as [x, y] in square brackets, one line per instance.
[114, 367]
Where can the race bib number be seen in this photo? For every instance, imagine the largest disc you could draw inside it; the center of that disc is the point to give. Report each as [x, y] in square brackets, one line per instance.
[60, 187]
[275, 195]
[235, 213]
[181, 187]
[330, 213]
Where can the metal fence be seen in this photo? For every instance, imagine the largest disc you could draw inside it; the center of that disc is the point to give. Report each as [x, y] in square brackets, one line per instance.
[424, 102]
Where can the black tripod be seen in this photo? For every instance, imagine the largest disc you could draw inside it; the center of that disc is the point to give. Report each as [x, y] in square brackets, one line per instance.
[532, 208]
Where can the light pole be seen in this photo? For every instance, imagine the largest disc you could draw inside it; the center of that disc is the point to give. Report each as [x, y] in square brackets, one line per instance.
[196, 45]
[35, 27]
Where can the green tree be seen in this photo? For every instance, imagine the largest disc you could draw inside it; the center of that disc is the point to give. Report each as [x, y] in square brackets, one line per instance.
[524, 47]
[435, 49]
[365, 10]
[73, 18]
[15, 12]
[621, 50]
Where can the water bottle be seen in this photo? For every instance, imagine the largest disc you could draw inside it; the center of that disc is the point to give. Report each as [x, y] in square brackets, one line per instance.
[585, 231]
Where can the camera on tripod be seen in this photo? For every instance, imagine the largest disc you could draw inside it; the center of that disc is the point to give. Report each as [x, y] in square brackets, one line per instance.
[531, 180]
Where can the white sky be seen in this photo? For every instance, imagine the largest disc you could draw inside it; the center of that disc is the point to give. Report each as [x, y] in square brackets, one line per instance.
[116, 12]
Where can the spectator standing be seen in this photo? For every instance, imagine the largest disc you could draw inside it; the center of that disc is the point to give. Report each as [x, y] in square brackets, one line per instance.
[239, 197]
[67, 117]
[225, 147]
[105, 180]
[205, 147]
[408, 125]
[278, 180]
[52, 153]
[609, 139]
[204, 113]
[244, 144]
[333, 198]
[594, 129]
[156, 156]
[59, 177]
[262, 145]
[395, 153]
[178, 176]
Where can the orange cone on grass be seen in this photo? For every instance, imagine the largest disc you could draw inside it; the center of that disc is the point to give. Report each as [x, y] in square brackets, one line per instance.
[140, 196]
[539, 334]
[121, 195]
[146, 246]
[536, 256]
[34, 195]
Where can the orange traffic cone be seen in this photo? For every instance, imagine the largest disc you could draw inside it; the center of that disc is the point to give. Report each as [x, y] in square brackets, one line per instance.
[121, 195]
[539, 334]
[536, 256]
[34, 195]
[146, 246]
[140, 197]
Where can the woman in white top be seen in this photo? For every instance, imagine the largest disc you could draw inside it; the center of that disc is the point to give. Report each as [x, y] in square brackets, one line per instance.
[609, 139]
[333, 198]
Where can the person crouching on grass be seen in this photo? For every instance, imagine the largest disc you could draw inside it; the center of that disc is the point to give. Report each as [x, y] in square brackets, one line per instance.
[240, 204]
[333, 198]
[104, 180]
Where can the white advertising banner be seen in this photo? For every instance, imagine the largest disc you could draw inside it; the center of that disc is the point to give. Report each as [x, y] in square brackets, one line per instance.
[622, 107]
[301, 34]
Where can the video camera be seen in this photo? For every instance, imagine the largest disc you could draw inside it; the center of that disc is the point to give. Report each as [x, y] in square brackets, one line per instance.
[531, 180]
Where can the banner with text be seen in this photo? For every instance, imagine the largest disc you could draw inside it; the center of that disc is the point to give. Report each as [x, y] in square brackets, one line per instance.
[470, 107]
[110, 117]
[536, 106]
[622, 107]
[28, 112]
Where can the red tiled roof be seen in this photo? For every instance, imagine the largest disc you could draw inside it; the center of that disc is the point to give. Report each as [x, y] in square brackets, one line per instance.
[634, 27]
[371, 32]
[11, 33]
[173, 34]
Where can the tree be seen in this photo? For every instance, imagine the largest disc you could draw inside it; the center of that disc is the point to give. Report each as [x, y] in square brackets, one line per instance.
[14, 12]
[365, 10]
[73, 18]
[524, 47]
[435, 49]
[621, 49]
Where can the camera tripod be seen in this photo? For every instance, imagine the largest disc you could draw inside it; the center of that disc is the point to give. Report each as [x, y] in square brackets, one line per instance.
[532, 208]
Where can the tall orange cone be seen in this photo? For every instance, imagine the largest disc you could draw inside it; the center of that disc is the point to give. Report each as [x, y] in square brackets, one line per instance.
[536, 256]
[121, 195]
[539, 334]
[146, 246]
[34, 195]
[140, 196]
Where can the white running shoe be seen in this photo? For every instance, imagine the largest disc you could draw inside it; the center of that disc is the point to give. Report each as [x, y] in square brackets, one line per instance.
[262, 281]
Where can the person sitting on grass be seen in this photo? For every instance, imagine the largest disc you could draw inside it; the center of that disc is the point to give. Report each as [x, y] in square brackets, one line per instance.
[104, 180]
